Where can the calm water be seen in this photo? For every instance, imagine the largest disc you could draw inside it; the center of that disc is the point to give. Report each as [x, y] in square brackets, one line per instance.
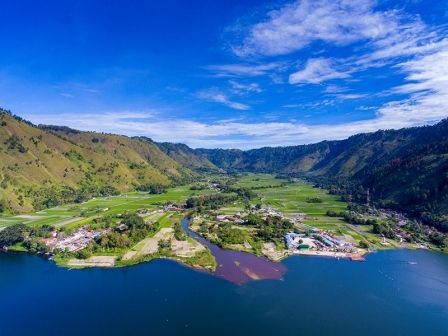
[392, 293]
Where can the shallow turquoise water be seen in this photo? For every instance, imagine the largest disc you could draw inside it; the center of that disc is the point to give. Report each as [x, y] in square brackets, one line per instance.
[398, 292]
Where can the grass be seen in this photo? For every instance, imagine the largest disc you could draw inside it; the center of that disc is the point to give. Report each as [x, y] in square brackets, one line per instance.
[292, 198]
[258, 181]
[75, 215]
[203, 259]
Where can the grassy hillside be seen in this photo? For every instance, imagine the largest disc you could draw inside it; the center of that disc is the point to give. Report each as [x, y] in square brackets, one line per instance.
[187, 157]
[45, 166]
[405, 169]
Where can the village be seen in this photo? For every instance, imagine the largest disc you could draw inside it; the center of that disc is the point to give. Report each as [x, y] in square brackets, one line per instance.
[305, 240]
[79, 240]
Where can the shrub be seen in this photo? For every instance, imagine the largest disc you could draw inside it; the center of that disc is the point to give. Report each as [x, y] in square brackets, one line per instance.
[13, 234]
[314, 200]
[363, 244]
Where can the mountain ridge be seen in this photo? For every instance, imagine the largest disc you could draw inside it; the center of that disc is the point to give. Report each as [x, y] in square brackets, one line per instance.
[405, 169]
[47, 166]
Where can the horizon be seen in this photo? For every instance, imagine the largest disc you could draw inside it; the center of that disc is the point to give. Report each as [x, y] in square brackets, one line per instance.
[227, 74]
[43, 126]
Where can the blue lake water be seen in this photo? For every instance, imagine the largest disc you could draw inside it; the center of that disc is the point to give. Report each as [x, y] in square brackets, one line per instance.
[398, 292]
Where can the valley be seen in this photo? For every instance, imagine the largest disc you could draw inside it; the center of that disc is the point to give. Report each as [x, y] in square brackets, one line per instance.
[267, 216]
[92, 199]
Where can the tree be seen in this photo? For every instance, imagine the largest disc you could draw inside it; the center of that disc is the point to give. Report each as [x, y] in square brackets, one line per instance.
[254, 220]
[132, 220]
[13, 234]
[179, 233]
[2, 206]
[156, 189]
[438, 239]
[164, 245]
[363, 244]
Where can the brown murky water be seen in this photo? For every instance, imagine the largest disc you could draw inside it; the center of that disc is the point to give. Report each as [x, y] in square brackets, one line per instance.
[236, 266]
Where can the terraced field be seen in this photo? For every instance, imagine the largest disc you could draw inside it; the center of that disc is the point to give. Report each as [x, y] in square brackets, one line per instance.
[77, 214]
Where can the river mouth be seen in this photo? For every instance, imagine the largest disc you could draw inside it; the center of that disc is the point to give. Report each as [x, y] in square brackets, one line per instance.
[236, 266]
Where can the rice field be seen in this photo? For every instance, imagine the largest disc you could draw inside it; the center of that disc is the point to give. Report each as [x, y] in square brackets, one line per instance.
[76, 214]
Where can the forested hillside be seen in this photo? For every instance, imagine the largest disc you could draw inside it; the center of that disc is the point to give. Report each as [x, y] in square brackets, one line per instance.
[187, 157]
[43, 166]
[405, 169]
[48, 165]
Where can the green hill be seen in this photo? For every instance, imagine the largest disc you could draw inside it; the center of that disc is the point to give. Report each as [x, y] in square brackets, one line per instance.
[405, 169]
[187, 157]
[48, 165]
[43, 166]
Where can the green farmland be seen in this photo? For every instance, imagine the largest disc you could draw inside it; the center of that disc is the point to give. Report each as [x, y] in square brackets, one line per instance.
[77, 214]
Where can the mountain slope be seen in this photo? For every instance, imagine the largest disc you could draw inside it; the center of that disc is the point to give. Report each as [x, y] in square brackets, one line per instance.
[405, 169]
[47, 165]
[187, 157]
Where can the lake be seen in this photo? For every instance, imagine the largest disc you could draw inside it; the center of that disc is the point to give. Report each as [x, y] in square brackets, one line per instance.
[399, 292]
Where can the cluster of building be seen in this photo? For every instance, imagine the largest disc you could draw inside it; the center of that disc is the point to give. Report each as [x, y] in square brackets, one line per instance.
[237, 219]
[73, 243]
[317, 241]
[173, 207]
[266, 212]
[146, 212]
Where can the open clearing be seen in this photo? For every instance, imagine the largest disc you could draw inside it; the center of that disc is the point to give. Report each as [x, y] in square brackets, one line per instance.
[96, 261]
[186, 248]
[149, 245]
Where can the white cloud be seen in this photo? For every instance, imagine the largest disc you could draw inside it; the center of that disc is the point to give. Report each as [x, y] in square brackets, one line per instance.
[246, 70]
[296, 25]
[383, 38]
[388, 38]
[317, 70]
[66, 95]
[217, 96]
[427, 85]
[231, 133]
[350, 96]
[242, 88]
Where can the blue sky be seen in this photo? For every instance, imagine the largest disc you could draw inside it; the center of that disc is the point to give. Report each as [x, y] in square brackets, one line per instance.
[230, 74]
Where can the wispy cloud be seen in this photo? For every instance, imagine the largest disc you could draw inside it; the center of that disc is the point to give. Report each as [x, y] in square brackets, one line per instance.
[316, 70]
[390, 39]
[245, 70]
[66, 95]
[216, 96]
[228, 133]
[242, 88]
[296, 25]
[427, 87]
[401, 44]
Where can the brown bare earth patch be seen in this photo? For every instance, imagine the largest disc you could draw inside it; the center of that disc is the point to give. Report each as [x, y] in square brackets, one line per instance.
[96, 261]
[186, 248]
[270, 251]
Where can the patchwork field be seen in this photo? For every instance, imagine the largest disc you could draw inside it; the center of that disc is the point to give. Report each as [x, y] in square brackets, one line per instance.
[292, 199]
[77, 214]
[296, 198]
